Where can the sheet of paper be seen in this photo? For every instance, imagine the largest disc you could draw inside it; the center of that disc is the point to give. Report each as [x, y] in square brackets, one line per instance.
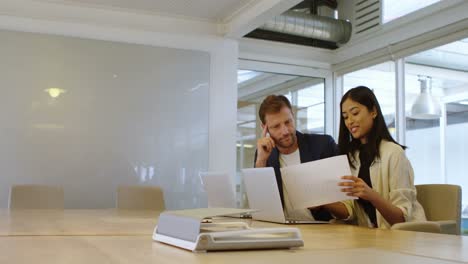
[316, 183]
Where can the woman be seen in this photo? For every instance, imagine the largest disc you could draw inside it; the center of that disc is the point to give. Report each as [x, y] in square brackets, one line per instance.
[384, 184]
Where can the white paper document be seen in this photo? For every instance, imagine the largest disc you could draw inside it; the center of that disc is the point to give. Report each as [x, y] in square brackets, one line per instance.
[316, 183]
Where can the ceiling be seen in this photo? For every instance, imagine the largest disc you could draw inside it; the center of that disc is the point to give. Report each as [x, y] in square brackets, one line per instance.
[212, 10]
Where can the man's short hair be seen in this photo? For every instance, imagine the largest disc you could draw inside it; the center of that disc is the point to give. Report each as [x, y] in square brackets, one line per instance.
[272, 104]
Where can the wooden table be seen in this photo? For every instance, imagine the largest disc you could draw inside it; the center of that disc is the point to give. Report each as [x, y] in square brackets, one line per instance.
[125, 237]
[77, 222]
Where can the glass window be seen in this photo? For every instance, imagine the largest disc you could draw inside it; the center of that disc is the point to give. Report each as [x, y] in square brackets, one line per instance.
[393, 10]
[381, 79]
[422, 135]
[440, 76]
[446, 70]
[310, 109]
[246, 134]
[306, 94]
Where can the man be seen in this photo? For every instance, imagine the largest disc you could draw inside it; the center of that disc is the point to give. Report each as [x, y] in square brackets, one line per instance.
[281, 145]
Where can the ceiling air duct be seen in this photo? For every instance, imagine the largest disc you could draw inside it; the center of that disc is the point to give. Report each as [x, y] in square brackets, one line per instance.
[309, 23]
[425, 106]
[310, 26]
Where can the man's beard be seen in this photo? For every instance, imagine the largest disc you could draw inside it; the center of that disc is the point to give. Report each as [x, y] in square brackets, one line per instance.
[281, 145]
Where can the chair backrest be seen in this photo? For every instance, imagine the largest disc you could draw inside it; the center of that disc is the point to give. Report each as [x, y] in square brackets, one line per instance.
[427, 227]
[440, 202]
[31, 196]
[134, 197]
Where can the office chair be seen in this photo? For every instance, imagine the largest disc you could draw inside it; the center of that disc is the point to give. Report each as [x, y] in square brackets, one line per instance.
[134, 197]
[32, 196]
[442, 205]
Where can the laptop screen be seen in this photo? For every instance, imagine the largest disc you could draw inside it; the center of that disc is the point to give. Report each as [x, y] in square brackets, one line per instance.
[219, 189]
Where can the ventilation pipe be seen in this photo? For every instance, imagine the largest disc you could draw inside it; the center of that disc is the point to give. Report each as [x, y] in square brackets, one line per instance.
[310, 26]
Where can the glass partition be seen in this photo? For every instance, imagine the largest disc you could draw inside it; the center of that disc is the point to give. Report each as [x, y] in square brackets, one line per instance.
[90, 115]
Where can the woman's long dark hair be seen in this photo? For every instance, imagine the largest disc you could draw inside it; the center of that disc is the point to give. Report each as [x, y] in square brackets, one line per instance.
[347, 144]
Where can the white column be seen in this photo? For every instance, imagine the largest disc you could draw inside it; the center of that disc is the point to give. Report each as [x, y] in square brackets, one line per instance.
[400, 115]
[443, 142]
[330, 106]
[223, 108]
[337, 94]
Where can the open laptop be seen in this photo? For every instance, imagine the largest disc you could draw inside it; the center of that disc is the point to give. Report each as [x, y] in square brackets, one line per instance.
[220, 191]
[263, 194]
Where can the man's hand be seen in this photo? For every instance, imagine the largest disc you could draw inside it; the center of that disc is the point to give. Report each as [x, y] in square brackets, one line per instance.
[264, 147]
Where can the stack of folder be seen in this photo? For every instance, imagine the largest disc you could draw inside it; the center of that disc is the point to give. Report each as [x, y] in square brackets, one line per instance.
[203, 230]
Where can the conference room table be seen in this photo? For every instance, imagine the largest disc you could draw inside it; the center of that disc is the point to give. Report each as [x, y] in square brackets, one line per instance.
[77, 222]
[123, 236]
